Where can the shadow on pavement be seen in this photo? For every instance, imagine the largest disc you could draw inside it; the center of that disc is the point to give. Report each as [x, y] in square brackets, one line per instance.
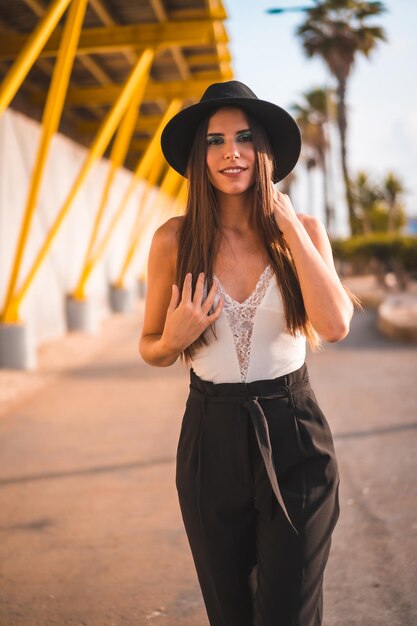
[355, 434]
[100, 469]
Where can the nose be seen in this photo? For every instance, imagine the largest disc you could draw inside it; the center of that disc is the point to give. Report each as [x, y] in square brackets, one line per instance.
[232, 151]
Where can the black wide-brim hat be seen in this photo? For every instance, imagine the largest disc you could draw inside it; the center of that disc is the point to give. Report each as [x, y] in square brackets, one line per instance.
[282, 130]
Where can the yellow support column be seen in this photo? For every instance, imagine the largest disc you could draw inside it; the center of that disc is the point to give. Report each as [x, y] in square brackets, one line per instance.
[30, 52]
[181, 199]
[171, 182]
[161, 205]
[145, 164]
[100, 143]
[50, 122]
[165, 199]
[118, 154]
[163, 210]
[143, 211]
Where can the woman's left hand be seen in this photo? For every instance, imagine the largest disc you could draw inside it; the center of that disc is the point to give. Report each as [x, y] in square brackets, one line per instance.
[283, 210]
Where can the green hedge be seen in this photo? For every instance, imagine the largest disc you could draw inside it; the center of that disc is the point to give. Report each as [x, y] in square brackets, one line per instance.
[390, 250]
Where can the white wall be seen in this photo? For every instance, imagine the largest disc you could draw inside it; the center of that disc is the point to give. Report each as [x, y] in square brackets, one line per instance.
[43, 306]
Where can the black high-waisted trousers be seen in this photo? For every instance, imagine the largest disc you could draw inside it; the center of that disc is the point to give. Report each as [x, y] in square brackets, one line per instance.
[257, 482]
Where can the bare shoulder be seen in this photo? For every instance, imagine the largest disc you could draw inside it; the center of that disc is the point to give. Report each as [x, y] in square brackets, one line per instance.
[165, 239]
[167, 233]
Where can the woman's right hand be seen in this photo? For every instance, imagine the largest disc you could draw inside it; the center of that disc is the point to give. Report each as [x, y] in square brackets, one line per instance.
[188, 316]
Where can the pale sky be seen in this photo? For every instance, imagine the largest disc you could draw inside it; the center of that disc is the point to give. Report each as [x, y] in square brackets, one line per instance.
[382, 90]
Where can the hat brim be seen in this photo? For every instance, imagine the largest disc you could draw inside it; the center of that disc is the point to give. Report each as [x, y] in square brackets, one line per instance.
[283, 133]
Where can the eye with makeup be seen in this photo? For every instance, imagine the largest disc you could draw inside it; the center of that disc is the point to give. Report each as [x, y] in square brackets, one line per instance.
[247, 136]
[216, 140]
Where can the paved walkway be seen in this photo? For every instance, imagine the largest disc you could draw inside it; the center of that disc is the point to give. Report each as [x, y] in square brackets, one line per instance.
[91, 532]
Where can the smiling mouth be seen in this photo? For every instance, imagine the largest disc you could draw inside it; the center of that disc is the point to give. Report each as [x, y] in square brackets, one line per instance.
[233, 170]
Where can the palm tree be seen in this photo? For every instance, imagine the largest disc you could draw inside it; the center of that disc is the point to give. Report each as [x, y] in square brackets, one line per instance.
[336, 31]
[392, 190]
[378, 207]
[287, 182]
[312, 117]
[365, 197]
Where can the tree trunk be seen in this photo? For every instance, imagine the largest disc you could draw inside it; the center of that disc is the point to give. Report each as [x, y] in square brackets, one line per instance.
[342, 124]
[310, 187]
[391, 217]
[328, 210]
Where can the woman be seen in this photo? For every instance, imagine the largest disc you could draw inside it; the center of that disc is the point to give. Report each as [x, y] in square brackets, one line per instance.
[235, 288]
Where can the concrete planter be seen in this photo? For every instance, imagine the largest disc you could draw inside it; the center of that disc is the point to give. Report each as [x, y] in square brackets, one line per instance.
[141, 288]
[80, 315]
[17, 349]
[397, 317]
[121, 299]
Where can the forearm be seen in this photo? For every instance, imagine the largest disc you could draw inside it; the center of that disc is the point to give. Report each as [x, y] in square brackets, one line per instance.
[327, 304]
[154, 351]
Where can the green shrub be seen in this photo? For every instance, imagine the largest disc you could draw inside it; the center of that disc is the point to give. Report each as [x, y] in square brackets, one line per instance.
[392, 251]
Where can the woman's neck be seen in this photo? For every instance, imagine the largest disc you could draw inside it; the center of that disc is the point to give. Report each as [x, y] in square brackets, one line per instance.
[235, 210]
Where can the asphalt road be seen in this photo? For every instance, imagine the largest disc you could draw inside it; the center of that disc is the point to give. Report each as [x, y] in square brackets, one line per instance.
[90, 528]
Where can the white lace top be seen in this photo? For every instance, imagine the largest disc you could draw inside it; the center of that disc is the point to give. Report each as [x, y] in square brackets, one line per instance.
[252, 342]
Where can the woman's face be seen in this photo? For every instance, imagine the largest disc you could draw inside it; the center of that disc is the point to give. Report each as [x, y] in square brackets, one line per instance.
[230, 152]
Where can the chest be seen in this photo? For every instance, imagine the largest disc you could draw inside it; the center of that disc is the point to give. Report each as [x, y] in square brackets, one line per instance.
[239, 270]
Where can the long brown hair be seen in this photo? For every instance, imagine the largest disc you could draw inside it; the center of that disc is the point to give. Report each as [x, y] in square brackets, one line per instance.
[200, 230]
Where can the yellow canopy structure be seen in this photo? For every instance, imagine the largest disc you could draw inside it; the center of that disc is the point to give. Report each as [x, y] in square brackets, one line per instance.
[106, 74]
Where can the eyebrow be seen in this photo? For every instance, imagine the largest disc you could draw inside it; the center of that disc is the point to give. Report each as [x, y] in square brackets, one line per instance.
[222, 134]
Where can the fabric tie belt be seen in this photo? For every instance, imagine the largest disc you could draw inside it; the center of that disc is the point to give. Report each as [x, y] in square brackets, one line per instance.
[259, 422]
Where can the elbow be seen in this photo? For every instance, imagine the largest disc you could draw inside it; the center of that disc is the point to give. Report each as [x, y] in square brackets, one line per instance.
[146, 357]
[140, 347]
[340, 327]
[143, 353]
[338, 332]
[154, 359]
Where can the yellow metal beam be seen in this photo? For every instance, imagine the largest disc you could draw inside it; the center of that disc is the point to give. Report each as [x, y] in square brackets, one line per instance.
[28, 52]
[47, 67]
[210, 59]
[181, 199]
[36, 7]
[163, 209]
[171, 183]
[145, 208]
[176, 52]
[180, 62]
[118, 38]
[98, 147]
[94, 68]
[168, 190]
[219, 33]
[159, 209]
[154, 148]
[159, 10]
[98, 96]
[144, 124]
[138, 145]
[144, 169]
[118, 154]
[173, 14]
[197, 14]
[50, 122]
[103, 14]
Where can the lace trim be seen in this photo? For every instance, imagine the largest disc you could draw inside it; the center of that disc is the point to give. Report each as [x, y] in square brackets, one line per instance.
[240, 317]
